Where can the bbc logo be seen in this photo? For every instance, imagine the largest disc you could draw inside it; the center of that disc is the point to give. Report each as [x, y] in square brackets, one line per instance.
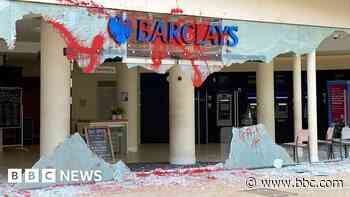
[50, 175]
[31, 176]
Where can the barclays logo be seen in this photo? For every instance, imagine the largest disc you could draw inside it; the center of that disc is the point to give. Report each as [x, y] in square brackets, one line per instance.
[119, 29]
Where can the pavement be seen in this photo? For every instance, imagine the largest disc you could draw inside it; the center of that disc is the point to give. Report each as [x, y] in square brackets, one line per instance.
[327, 178]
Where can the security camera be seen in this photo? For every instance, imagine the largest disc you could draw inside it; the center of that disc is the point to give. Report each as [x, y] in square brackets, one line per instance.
[336, 36]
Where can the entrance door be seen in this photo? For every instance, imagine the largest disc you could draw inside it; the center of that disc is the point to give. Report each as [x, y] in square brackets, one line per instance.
[154, 108]
[284, 127]
[223, 103]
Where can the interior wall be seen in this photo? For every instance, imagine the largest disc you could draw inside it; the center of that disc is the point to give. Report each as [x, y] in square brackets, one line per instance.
[30, 84]
[128, 83]
[29, 62]
[85, 94]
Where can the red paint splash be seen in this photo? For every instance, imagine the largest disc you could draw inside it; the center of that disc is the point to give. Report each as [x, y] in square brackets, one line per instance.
[177, 10]
[92, 7]
[180, 172]
[76, 50]
[159, 52]
[252, 135]
[197, 76]
[193, 52]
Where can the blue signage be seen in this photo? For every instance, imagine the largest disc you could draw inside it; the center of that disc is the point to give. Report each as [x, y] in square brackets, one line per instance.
[170, 32]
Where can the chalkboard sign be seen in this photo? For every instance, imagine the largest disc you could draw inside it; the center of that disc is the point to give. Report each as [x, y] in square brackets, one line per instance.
[10, 107]
[100, 142]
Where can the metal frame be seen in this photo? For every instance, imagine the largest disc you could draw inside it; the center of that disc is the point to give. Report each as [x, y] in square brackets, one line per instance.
[107, 137]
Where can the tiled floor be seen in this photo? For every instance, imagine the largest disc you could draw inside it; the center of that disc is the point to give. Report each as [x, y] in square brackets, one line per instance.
[160, 153]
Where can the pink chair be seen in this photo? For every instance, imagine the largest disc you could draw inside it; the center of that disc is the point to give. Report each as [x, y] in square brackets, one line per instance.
[344, 141]
[329, 142]
[301, 141]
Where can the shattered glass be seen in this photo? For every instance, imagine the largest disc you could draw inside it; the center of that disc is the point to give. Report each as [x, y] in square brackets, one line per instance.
[74, 154]
[252, 147]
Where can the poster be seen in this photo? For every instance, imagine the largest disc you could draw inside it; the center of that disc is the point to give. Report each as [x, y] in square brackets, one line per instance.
[337, 101]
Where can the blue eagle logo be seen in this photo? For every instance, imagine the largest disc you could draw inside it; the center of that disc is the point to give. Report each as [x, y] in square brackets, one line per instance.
[119, 29]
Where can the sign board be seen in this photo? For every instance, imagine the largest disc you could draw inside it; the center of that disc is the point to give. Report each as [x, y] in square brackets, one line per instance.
[100, 142]
[160, 36]
[105, 70]
[336, 101]
[10, 107]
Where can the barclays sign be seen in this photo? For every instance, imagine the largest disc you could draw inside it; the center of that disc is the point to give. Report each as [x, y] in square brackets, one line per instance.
[180, 32]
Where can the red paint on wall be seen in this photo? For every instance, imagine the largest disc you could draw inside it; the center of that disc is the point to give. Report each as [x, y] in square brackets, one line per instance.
[193, 52]
[177, 10]
[159, 52]
[92, 7]
[197, 76]
[75, 49]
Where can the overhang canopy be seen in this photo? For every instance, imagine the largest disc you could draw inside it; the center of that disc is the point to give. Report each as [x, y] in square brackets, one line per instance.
[93, 34]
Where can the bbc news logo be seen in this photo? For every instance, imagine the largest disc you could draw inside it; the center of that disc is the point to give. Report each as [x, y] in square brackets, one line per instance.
[53, 176]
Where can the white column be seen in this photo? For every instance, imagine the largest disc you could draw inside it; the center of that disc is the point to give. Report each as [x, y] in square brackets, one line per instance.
[265, 97]
[133, 106]
[54, 90]
[182, 118]
[312, 105]
[297, 94]
[127, 82]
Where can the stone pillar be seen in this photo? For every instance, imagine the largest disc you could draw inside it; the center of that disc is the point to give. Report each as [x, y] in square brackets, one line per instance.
[133, 108]
[265, 98]
[54, 90]
[182, 118]
[128, 82]
[312, 105]
[297, 94]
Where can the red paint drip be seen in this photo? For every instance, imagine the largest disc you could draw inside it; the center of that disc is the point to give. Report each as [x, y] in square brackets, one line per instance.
[159, 52]
[75, 50]
[197, 78]
[188, 52]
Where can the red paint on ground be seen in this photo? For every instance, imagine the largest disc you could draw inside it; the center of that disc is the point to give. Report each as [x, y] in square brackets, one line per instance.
[212, 178]
[107, 188]
[179, 172]
[76, 50]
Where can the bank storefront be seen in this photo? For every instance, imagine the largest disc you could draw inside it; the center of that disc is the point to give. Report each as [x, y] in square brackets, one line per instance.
[189, 49]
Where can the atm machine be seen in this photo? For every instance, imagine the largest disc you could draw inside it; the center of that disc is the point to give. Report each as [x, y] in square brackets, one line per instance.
[225, 110]
[220, 102]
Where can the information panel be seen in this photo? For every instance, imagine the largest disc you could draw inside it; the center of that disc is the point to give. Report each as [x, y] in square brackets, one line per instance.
[99, 141]
[336, 101]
